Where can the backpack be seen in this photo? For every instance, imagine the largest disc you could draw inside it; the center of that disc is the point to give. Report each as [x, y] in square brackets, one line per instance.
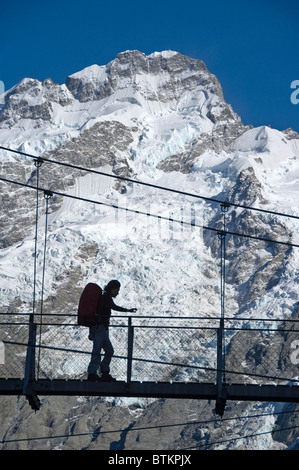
[88, 304]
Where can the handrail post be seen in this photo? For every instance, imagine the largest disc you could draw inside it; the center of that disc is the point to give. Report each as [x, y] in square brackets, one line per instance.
[30, 369]
[220, 399]
[130, 349]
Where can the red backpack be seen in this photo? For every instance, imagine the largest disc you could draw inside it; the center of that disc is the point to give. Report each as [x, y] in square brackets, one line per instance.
[88, 304]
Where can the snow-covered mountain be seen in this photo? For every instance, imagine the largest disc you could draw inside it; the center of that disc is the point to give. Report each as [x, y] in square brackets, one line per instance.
[161, 119]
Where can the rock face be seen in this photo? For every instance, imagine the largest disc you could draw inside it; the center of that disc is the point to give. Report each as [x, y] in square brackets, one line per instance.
[160, 119]
[33, 100]
[131, 67]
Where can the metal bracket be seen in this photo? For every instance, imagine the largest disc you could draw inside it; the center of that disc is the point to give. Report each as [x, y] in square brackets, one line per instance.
[38, 162]
[30, 369]
[225, 206]
[47, 194]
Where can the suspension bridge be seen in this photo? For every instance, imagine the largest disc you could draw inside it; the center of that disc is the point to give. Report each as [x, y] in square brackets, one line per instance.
[218, 358]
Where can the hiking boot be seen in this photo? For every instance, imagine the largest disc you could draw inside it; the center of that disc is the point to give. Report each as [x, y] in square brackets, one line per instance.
[93, 378]
[106, 377]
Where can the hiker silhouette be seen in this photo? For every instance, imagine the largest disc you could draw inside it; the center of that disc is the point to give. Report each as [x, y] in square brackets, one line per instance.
[99, 334]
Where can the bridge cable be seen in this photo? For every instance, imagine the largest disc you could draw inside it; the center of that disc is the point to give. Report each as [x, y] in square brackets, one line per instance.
[47, 196]
[115, 206]
[145, 428]
[37, 164]
[152, 361]
[222, 234]
[151, 185]
[30, 354]
[247, 436]
[220, 400]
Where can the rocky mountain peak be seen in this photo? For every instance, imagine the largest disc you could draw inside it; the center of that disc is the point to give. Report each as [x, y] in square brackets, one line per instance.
[169, 74]
[32, 99]
[132, 88]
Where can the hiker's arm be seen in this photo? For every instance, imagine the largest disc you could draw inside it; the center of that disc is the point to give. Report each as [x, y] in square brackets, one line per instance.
[122, 309]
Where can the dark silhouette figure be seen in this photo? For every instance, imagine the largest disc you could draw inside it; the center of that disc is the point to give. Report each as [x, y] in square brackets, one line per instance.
[99, 334]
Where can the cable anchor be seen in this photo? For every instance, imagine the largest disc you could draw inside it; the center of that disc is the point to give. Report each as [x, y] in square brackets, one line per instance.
[47, 194]
[38, 162]
[221, 234]
[225, 206]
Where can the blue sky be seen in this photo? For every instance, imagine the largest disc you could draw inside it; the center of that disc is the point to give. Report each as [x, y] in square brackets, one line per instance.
[251, 46]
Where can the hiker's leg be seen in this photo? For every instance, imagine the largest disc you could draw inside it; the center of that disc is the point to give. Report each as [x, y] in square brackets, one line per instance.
[98, 341]
[109, 351]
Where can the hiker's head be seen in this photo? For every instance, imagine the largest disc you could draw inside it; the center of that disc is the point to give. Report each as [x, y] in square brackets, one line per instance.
[112, 288]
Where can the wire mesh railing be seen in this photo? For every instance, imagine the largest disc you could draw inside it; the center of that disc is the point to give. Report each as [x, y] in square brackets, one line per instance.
[262, 356]
[159, 353]
[13, 347]
[157, 350]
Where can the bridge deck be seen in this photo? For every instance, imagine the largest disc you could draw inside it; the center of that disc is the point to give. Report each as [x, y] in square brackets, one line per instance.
[208, 391]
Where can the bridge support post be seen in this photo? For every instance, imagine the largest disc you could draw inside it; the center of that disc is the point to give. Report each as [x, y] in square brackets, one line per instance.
[130, 349]
[29, 376]
[30, 369]
[220, 399]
